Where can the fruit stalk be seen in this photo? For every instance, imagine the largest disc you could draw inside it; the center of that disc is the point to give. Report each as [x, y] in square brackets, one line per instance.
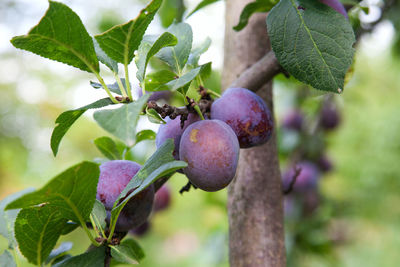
[256, 234]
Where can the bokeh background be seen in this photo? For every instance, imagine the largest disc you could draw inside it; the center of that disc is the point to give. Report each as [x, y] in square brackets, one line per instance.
[357, 222]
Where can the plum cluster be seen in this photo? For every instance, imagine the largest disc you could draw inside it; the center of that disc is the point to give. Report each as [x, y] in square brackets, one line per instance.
[238, 119]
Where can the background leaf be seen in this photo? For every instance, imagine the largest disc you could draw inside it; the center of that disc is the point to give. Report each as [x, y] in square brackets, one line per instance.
[155, 80]
[73, 192]
[145, 135]
[201, 5]
[154, 117]
[49, 39]
[170, 11]
[37, 230]
[114, 87]
[67, 118]
[104, 58]
[314, 44]
[250, 9]
[128, 251]
[121, 41]
[6, 259]
[121, 122]
[177, 56]
[194, 56]
[148, 48]
[93, 258]
[107, 147]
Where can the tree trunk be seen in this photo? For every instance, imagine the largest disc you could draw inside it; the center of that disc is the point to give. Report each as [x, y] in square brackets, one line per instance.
[256, 232]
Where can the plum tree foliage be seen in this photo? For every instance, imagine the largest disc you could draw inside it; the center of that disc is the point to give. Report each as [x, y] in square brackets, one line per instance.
[311, 41]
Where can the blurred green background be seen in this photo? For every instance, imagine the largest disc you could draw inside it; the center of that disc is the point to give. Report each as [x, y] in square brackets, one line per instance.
[362, 191]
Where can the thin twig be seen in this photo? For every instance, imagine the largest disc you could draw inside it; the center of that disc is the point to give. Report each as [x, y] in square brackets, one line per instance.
[297, 171]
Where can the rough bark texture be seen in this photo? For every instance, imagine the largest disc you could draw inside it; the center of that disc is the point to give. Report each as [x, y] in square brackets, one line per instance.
[256, 234]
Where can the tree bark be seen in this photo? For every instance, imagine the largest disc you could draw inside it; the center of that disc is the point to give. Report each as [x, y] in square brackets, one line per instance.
[256, 232]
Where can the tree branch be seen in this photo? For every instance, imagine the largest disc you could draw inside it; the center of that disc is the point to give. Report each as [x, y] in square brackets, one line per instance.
[259, 73]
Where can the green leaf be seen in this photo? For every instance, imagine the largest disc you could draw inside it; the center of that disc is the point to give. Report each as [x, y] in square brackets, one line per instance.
[61, 36]
[205, 71]
[37, 230]
[72, 192]
[160, 164]
[154, 117]
[121, 122]
[177, 56]
[67, 118]
[6, 259]
[107, 147]
[201, 5]
[155, 81]
[183, 82]
[128, 251]
[250, 9]
[69, 227]
[104, 58]
[145, 135]
[114, 87]
[7, 218]
[170, 11]
[314, 43]
[93, 258]
[59, 252]
[148, 48]
[194, 56]
[121, 41]
[99, 215]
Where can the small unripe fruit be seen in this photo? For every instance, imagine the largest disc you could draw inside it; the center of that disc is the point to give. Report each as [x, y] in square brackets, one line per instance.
[246, 113]
[211, 150]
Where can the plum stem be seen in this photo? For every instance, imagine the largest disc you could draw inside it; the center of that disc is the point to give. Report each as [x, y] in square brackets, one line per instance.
[120, 85]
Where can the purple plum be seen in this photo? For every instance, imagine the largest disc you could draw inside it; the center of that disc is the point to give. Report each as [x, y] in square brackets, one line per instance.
[172, 129]
[162, 199]
[158, 95]
[293, 120]
[246, 113]
[336, 5]
[141, 230]
[114, 176]
[211, 150]
[330, 117]
[307, 178]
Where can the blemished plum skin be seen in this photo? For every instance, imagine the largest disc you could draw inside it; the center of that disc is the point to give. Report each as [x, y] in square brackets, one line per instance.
[246, 113]
[211, 150]
[114, 176]
[172, 129]
[336, 5]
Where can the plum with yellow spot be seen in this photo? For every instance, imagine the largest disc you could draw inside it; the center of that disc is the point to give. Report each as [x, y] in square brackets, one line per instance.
[211, 150]
[246, 113]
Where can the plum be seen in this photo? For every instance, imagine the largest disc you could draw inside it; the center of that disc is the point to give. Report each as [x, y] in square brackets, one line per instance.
[158, 95]
[172, 129]
[330, 117]
[293, 120]
[114, 176]
[324, 163]
[246, 113]
[162, 199]
[336, 5]
[142, 229]
[307, 178]
[211, 150]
